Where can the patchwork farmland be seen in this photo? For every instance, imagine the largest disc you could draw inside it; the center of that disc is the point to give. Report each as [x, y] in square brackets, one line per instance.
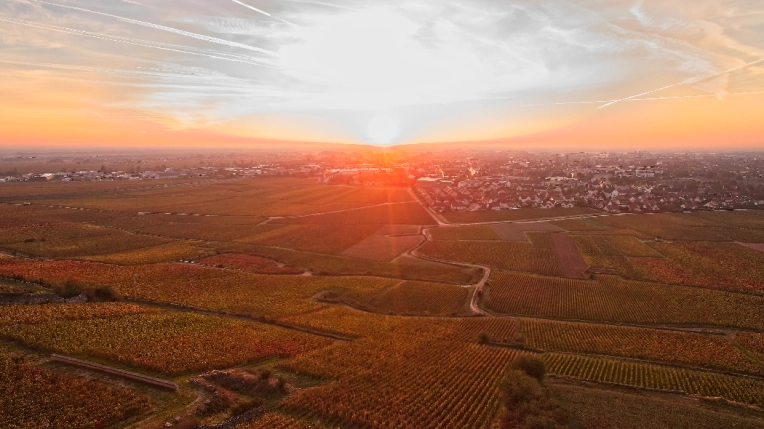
[282, 303]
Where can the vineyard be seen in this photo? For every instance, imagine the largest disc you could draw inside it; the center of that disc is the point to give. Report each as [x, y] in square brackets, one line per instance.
[197, 286]
[513, 215]
[174, 251]
[313, 238]
[731, 266]
[503, 255]
[421, 298]
[616, 300]
[394, 214]
[744, 390]
[163, 342]
[422, 383]
[686, 348]
[252, 264]
[73, 240]
[277, 421]
[324, 301]
[35, 397]
[459, 233]
[322, 264]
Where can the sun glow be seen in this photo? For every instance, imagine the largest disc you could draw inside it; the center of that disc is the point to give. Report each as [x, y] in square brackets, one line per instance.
[383, 128]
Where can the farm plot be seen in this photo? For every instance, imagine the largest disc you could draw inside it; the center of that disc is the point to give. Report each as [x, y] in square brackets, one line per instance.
[313, 238]
[627, 409]
[511, 215]
[382, 247]
[392, 214]
[218, 231]
[416, 383]
[726, 265]
[252, 264]
[173, 251]
[503, 255]
[463, 233]
[616, 300]
[197, 286]
[72, 240]
[322, 264]
[35, 397]
[277, 421]
[580, 225]
[572, 264]
[738, 389]
[421, 298]
[686, 348]
[164, 342]
[669, 226]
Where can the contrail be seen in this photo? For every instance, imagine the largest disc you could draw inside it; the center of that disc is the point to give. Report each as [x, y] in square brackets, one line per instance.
[264, 13]
[674, 97]
[107, 71]
[168, 29]
[684, 82]
[143, 43]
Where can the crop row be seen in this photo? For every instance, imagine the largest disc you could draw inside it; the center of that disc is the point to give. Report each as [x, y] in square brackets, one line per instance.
[423, 384]
[744, 390]
[616, 300]
[503, 255]
[730, 265]
[197, 286]
[165, 342]
[35, 397]
[660, 345]
[421, 298]
[403, 213]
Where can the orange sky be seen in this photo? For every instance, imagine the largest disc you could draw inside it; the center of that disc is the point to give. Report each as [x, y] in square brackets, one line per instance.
[584, 74]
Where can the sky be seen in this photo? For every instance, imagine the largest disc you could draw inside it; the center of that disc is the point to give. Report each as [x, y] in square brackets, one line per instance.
[557, 74]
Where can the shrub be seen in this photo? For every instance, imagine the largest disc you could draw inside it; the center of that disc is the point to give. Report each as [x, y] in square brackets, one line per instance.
[527, 405]
[530, 365]
[243, 407]
[70, 289]
[187, 423]
[483, 338]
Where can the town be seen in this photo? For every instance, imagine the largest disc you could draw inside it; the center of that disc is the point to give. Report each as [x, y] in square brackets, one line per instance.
[626, 182]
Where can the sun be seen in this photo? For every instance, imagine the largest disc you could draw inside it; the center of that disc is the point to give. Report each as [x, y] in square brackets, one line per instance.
[383, 128]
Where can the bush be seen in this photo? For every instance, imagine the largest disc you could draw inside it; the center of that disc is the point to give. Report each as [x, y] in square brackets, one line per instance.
[518, 388]
[105, 293]
[70, 289]
[483, 338]
[527, 405]
[530, 365]
[243, 407]
[187, 423]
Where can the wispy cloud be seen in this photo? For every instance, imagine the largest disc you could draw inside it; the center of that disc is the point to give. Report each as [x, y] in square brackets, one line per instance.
[330, 57]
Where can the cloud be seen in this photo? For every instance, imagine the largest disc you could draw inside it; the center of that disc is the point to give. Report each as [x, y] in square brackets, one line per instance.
[338, 56]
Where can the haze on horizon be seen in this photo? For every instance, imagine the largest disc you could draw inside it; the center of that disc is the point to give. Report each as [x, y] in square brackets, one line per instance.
[551, 73]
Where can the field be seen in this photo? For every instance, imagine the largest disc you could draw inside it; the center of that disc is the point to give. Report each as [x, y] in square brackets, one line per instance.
[612, 299]
[382, 247]
[687, 348]
[312, 294]
[249, 263]
[35, 397]
[421, 298]
[503, 255]
[513, 215]
[392, 214]
[743, 390]
[163, 342]
[632, 409]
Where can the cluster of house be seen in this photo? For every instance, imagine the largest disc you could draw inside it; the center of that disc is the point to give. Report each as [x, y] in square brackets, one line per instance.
[507, 193]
